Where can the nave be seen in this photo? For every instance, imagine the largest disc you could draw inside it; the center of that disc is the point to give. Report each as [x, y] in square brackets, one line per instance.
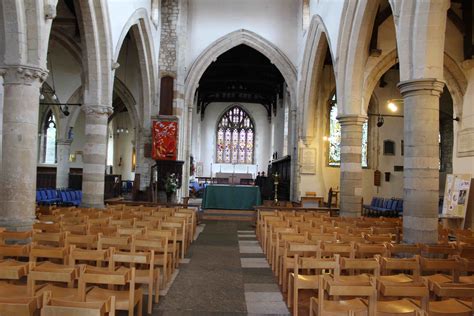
[227, 274]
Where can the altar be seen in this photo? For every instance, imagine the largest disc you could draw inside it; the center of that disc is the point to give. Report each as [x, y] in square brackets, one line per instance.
[231, 197]
[234, 178]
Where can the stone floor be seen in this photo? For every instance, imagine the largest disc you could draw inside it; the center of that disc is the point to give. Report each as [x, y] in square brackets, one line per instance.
[227, 274]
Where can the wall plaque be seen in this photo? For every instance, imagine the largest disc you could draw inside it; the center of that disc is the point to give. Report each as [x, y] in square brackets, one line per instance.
[308, 161]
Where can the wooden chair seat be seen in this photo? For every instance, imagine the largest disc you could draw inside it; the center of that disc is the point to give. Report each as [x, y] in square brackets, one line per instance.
[437, 278]
[13, 270]
[355, 307]
[58, 307]
[396, 278]
[466, 279]
[23, 306]
[449, 307]
[98, 294]
[399, 307]
[70, 294]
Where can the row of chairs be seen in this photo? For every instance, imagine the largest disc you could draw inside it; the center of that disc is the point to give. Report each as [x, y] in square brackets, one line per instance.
[292, 240]
[58, 197]
[119, 248]
[383, 207]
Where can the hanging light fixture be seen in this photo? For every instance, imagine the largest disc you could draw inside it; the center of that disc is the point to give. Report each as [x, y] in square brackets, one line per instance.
[380, 121]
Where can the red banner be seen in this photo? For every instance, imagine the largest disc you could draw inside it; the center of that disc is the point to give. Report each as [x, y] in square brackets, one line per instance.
[165, 139]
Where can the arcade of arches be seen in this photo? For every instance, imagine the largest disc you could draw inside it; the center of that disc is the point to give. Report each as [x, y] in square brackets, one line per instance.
[332, 92]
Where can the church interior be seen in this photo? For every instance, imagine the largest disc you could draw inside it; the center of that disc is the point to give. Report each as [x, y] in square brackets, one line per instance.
[237, 157]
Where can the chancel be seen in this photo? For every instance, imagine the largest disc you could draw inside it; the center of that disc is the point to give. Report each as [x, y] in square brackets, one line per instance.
[214, 157]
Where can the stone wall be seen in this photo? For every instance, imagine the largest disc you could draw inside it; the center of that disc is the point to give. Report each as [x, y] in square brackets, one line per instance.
[169, 37]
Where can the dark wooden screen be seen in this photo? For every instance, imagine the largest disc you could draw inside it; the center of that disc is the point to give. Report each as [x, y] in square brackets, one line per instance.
[166, 95]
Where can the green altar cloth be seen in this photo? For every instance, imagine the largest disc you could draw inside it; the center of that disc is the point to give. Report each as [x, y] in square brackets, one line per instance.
[231, 197]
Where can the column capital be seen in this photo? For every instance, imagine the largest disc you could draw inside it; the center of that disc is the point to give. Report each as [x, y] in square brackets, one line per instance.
[351, 119]
[23, 75]
[425, 86]
[97, 110]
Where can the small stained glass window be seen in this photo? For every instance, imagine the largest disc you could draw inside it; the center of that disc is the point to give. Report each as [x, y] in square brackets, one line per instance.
[334, 152]
[235, 136]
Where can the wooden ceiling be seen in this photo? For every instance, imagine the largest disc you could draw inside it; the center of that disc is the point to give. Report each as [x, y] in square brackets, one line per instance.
[241, 74]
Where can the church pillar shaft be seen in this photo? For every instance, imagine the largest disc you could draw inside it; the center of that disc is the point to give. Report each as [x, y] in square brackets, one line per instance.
[351, 169]
[421, 159]
[143, 164]
[95, 155]
[20, 139]
[63, 148]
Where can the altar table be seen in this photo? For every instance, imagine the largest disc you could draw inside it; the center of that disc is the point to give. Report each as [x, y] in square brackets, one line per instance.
[231, 197]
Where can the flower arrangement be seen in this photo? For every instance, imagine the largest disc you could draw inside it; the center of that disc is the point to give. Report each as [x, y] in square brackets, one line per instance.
[171, 183]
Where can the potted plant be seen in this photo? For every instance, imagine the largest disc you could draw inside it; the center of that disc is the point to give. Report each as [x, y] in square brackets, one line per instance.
[171, 185]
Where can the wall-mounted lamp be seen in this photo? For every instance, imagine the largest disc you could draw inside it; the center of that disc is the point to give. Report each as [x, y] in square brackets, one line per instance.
[380, 121]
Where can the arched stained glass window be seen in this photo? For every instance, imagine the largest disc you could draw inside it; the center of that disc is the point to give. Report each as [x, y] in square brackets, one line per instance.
[49, 131]
[334, 152]
[235, 136]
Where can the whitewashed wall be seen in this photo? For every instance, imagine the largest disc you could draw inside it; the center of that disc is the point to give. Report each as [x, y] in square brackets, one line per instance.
[204, 142]
[123, 146]
[275, 20]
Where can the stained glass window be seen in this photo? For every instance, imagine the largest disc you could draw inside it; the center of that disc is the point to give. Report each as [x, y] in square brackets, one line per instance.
[334, 152]
[49, 139]
[235, 135]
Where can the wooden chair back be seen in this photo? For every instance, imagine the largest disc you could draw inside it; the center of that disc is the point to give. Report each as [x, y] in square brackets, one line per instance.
[57, 307]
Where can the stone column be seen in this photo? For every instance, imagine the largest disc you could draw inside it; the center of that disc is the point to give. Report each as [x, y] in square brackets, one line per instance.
[95, 154]
[350, 195]
[63, 147]
[143, 164]
[421, 159]
[20, 141]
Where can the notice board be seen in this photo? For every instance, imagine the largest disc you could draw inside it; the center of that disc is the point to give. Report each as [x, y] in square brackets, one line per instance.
[456, 195]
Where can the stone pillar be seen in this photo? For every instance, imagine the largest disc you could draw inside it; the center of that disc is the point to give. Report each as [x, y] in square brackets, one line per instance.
[350, 195]
[143, 164]
[20, 141]
[421, 159]
[63, 147]
[95, 154]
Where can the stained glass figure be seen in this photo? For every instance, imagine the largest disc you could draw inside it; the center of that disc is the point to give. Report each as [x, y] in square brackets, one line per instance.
[235, 135]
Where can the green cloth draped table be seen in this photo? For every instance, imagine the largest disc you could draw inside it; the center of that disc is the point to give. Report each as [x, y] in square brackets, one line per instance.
[231, 197]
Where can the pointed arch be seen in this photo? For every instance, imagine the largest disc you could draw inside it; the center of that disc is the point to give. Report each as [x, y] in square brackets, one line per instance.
[139, 27]
[317, 44]
[231, 40]
[358, 19]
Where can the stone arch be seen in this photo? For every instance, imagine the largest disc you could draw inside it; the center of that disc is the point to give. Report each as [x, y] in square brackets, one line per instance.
[317, 43]
[352, 53]
[97, 55]
[456, 81]
[139, 27]
[127, 97]
[231, 40]
[211, 53]
[68, 43]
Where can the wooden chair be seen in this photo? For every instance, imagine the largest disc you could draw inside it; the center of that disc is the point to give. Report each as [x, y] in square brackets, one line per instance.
[93, 258]
[402, 266]
[118, 242]
[298, 281]
[50, 239]
[8, 237]
[288, 260]
[162, 257]
[363, 250]
[440, 270]
[439, 251]
[403, 250]
[13, 270]
[82, 241]
[124, 300]
[454, 305]
[180, 228]
[328, 287]
[54, 254]
[58, 307]
[407, 299]
[22, 306]
[342, 249]
[53, 274]
[145, 272]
